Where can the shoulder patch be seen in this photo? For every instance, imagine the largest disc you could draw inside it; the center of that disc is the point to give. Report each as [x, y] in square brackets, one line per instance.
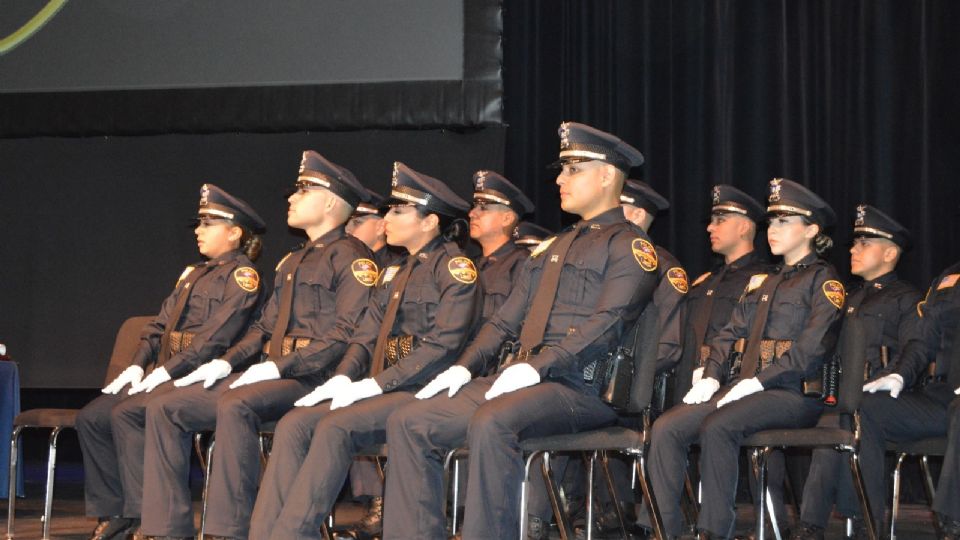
[703, 277]
[388, 274]
[184, 274]
[462, 270]
[645, 254]
[541, 247]
[834, 292]
[279, 264]
[247, 278]
[948, 281]
[365, 271]
[755, 282]
[678, 278]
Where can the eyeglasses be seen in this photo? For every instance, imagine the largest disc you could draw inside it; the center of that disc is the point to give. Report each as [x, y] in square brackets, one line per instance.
[302, 186]
[483, 206]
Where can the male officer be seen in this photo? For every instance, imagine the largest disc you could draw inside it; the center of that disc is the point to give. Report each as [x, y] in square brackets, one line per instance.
[886, 308]
[209, 307]
[575, 300]
[529, 235]
[319, 295]
[929, 368]
[368, 226]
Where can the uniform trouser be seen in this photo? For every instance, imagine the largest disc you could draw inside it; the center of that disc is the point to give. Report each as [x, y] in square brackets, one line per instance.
[364, 479]
[419, 435]
[828, 483]
[913, 415]
[170, 423]
[719, 433]
[946, 500]
[101, 478]
[127, 422]
[313, 449]
[236, 416]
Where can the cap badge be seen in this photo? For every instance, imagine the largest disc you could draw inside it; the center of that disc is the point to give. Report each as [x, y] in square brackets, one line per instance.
[481, 177]
[775, 190]
[564, 134]
[396, 173]
[716, 195]
[861, 214]
[204, 195]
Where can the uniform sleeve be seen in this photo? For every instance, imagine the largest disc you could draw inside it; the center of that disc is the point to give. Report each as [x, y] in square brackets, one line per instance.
[923, 339]
[355, 363]
[457, 313]
[219, 330]
[815, 342]
[149, 345]
[670, 310]
[481, 354]
[626, 289]
[251, 344]
[352, 297]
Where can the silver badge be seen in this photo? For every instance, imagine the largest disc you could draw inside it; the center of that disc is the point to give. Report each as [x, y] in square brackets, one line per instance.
[775, 190]
[204, 195]
[564, 135]
[303, 161]
[861, 215]
[480, 178]
[716, 195]
[396, 172]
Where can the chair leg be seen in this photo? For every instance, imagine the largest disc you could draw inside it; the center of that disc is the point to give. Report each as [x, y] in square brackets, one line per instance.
[640, 463]
[758, 457]
[693, 498]
[524, 492]
[207, 469]
[556, 500]
[51, 470]
[455, 506]
[862, 493]
[931, 491]
[895, 503]
[12, 493]
[604, 463]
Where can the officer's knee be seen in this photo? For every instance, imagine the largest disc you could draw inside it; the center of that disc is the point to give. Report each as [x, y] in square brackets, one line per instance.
[714, 429]
[92, 419]
[295, 427]
[231, 405]
[485, 422]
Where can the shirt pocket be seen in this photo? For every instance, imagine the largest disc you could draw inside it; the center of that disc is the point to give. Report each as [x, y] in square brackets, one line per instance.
[312, 285]
[586, 272]
[788, 314]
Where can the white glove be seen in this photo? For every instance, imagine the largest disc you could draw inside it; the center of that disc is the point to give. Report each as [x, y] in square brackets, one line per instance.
[957, 391]
[323, 392]
[892, 382]
[132, 375]
[209, 373]
[702, 391]
[512, 379]
[264, 371]
[151, 381]
[355, 392]
[697, 375]
[453, 378]
[741, 390]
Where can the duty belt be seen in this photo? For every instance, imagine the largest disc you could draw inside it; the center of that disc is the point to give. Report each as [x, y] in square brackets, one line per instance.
[398, 347]
[290, 344]
[771, 349]
[180, 341]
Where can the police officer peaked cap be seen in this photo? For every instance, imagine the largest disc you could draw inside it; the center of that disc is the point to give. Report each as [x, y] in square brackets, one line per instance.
[216, 203]
[375, 202]
[531, 234]
[790, 198]
[641, 195]
[873, 223]
[319, 171]
[730, 200]
[490, 187]
[579, 142]
[410, 187]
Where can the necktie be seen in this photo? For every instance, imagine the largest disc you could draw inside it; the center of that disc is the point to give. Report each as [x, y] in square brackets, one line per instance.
[390, 315]
[751, 357]
[177, 312]
[701, 319]
[275, 350]
[535, 324]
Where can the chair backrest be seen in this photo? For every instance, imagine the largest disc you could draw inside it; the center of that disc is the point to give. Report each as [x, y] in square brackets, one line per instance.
[128, 339]
[644, 359]
[851, 347]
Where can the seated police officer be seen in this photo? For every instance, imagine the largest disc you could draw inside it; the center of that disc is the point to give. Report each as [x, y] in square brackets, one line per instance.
[319, 295]
[788, 321]
[578, 295]
[917, 398]
[421, 315]
[209, 307]
[367, 225]
[529, 235]
[886, 307]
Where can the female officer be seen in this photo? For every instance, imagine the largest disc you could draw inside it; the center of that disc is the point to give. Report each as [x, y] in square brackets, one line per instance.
[788, 319]
[423, 311]
[208, 308]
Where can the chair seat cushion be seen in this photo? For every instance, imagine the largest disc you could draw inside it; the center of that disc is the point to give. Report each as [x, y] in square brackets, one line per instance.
[47, 418]
[379, 450]
[610, 438]
[810, 437]
[934, 446]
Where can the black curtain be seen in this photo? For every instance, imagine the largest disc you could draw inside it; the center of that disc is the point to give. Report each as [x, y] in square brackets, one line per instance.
[854, 99]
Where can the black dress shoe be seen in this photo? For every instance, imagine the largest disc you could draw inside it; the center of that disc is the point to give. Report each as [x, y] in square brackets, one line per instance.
[950, 527]
[537, 528]
[115, 528]
[807, 531]
[371, 525]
